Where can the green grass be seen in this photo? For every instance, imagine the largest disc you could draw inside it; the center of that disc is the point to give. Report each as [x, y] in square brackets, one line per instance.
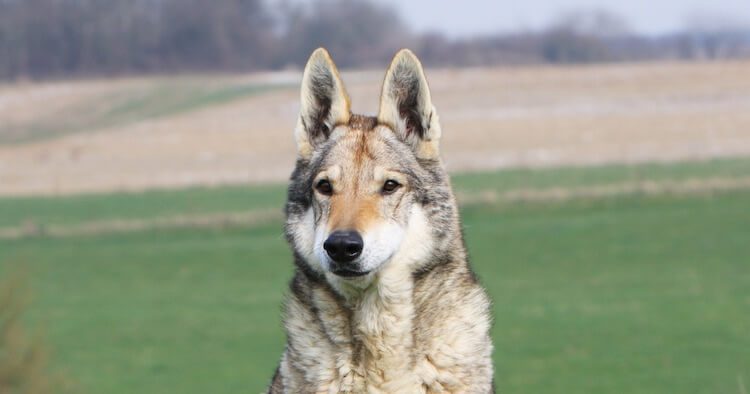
[586, 176]
[179, 312]
[622, 295]
[161, 203]
[628, 295]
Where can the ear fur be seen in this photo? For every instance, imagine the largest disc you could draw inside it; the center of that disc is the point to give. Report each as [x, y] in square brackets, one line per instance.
[406, 106]
[324, 103]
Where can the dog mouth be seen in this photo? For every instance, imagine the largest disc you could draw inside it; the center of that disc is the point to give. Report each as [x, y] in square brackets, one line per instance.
[348, 273]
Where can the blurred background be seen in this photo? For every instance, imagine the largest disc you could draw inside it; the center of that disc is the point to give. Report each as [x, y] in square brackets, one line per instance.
[600, 152]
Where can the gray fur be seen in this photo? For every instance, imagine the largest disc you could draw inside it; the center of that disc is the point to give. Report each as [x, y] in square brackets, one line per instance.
[413, 325]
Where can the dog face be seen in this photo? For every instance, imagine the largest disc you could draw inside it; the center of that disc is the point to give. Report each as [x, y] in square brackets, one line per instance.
[356, 202]
[362, 197]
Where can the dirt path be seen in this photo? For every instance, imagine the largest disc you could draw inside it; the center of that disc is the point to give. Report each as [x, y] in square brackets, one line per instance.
[492, 118]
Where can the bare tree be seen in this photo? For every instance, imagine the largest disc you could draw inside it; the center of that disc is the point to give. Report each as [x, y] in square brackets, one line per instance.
[716, 35]
[62, 38]
[594, 22]
[357, 32]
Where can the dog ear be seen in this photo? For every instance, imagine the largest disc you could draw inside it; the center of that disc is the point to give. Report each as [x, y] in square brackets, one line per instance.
[406, 107]
[324, 103]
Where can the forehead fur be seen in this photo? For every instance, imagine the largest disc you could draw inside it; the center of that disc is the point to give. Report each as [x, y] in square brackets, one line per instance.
[355, 142]
[362, 142]
[362, 122]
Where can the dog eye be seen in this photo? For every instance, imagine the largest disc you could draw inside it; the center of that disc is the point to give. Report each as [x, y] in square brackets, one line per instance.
[390, 186]
[324, 187]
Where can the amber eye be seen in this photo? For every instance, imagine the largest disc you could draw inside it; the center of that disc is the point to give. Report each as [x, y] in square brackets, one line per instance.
[390, 186]
[324, 187]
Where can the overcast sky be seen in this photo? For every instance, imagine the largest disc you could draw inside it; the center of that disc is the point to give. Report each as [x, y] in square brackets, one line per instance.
[460, 18]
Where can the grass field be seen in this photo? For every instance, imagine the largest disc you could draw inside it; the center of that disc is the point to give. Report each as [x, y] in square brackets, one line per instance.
[634, 293]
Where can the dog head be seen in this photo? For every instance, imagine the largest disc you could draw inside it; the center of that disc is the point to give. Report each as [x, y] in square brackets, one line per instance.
[360, 191]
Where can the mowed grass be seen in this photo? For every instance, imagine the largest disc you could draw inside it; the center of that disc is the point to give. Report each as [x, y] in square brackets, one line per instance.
[631, 294]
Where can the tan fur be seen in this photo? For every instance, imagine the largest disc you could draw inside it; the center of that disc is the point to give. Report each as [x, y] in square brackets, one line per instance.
[417, 321]
[353, 212]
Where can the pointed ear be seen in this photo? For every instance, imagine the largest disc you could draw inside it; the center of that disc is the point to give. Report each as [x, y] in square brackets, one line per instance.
[324, 103]
[405, 105]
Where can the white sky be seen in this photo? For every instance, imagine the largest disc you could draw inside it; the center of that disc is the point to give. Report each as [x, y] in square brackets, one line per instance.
[461, 18]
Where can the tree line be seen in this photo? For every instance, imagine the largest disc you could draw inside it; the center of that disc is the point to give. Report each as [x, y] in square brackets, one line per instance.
[72, 38]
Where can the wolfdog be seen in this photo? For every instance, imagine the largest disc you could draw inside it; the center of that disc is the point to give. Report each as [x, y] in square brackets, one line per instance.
[383, 299]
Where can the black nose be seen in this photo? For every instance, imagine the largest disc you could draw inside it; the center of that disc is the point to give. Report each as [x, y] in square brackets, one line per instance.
[344, 246]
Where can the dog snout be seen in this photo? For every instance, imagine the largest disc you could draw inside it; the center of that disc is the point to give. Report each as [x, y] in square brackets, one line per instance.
[344, 246]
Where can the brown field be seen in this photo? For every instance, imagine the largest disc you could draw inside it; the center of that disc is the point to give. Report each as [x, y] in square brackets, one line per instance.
[133, 134]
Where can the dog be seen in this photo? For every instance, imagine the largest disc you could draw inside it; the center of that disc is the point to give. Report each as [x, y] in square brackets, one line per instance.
[383, 299]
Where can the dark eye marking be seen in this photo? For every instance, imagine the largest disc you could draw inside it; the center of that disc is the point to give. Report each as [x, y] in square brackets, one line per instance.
[324, 187]
[390, 186]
